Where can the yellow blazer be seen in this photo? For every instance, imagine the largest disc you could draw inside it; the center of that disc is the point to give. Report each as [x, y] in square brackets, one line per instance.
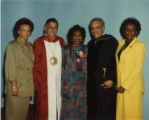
[129, 67]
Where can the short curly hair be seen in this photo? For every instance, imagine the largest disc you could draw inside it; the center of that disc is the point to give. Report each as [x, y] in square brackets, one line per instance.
[20, 22]
[72, 30]
[127, 21]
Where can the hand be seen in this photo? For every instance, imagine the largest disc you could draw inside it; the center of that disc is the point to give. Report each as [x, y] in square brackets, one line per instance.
[107, 84]
[14, 89]
[120, 89]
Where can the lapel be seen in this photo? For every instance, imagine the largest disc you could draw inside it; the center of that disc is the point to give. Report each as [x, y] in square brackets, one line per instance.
[43, 47]
[29, 55]
[43, 51]
[129, 47]
[118, 49]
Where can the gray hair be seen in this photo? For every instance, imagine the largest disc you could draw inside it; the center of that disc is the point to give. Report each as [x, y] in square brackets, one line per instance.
[96, 19]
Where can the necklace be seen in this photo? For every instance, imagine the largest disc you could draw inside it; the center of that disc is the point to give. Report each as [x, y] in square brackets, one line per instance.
[53, 59]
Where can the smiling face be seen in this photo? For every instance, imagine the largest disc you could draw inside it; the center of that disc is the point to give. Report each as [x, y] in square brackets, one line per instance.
[77, 38]
[97, 29]
[51, 29]
[130, 32]
[24, 31]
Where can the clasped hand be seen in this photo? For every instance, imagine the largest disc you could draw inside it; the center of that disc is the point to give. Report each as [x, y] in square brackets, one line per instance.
[107, 84]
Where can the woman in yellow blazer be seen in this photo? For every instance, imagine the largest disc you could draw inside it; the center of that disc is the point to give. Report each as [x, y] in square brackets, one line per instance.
[130, 84]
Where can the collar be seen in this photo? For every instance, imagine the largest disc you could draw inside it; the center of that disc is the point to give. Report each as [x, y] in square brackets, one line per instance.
[132, 41]
[103, 37]
[21, 42]
[45, 37]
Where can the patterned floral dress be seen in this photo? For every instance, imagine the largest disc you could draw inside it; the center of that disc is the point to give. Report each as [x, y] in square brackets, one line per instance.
[74, 83]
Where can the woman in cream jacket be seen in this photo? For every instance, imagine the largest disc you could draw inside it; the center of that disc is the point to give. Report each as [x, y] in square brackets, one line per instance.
[130, 84]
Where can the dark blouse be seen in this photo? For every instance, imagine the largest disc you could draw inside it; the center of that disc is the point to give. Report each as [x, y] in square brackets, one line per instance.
[123, 48]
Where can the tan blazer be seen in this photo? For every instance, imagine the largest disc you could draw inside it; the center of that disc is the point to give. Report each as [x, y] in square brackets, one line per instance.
[130, 65]
[18, 68]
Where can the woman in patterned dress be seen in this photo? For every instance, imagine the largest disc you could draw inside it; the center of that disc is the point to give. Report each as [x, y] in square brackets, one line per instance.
[74, 76]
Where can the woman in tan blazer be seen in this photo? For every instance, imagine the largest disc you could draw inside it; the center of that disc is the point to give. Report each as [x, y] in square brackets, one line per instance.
[18, 72]
[130, 84]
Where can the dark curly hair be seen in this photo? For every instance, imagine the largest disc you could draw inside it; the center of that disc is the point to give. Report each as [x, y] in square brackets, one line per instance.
[72, 30]
[127, 21]
[20, 22]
